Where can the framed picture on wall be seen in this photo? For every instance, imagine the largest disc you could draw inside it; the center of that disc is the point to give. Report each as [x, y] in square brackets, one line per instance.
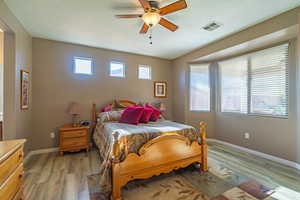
[160, 89]
[24, 90]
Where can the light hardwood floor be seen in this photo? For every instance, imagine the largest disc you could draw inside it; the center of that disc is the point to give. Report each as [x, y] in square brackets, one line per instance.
[54, 177]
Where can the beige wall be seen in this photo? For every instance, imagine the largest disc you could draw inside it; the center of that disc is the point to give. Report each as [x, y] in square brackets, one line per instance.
[1, 47]
[1, 72]
[17, 55]
[269, 135]
[55, 85]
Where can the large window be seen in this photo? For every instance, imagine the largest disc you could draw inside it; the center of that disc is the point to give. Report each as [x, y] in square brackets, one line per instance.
[256, 83]
[233, 82]
[269, 81]
[199, 87]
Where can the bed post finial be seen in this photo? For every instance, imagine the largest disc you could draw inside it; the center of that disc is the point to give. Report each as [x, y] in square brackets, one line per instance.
[202, 129]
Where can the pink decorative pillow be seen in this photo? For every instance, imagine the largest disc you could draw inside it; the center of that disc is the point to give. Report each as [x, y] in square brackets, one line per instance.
[131, 115]
[106, 108]
[146, 115]
[155, 113]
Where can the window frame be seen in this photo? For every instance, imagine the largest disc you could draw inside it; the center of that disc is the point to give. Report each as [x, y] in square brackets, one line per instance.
[150, 72]
[249, 75]
[83, 58]
[210, 88]
[117, 62]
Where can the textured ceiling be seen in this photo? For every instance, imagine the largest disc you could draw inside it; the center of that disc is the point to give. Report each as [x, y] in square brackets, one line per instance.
[92, 22]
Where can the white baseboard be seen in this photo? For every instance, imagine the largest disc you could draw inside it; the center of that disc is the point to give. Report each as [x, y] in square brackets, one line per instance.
[40, 151]
[260, 154]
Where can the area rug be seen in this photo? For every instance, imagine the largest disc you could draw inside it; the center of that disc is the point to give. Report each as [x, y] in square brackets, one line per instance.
[162, 187]
[174, 186]
[246, 191]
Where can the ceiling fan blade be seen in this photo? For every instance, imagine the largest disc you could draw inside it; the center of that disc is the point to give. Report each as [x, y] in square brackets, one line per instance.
[145, 4]
[144, 29]
[129, 16]
[167, 24]
[178, 5]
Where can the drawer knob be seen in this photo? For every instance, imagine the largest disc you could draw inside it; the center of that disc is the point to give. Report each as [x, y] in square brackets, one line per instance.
[21, 175]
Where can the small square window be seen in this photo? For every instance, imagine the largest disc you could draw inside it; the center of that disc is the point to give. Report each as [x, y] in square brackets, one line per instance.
[117, 69]
[83, 66]
[145, 72]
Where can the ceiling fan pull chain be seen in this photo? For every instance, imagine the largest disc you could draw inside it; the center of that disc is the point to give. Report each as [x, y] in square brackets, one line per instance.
[150, 37]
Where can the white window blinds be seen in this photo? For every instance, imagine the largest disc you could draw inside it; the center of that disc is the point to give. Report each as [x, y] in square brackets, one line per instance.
[233, 85]
[199, 87]
[256, 83]
[269, 81]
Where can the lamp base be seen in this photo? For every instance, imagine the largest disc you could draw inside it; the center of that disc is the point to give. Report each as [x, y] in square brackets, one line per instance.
[75, 119]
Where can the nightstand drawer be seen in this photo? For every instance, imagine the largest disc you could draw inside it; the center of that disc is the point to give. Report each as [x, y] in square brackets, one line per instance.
[73, 134]
[77, 141]
[73, 138]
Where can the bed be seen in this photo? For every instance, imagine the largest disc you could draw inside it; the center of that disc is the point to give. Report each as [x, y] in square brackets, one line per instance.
[141, 151]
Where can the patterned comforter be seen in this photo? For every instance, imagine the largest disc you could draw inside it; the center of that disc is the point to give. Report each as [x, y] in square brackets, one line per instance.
[135, 136]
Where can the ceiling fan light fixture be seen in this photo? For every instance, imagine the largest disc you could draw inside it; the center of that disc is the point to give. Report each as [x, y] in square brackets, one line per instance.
[151, 18]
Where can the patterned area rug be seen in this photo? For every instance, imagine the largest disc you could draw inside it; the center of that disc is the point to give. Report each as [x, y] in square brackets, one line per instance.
[157, 188]
[246, 191]
[180, 186]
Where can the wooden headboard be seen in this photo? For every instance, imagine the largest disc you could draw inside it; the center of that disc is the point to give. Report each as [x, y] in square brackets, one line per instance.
[96, 111]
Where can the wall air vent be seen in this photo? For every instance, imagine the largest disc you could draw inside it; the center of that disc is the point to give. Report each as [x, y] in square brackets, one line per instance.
[212, 26]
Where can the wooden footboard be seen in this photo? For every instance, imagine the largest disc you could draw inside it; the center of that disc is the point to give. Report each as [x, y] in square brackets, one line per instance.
[160, 155]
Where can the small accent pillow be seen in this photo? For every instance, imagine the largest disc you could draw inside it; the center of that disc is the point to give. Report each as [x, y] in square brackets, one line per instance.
[132, 115]
[146, 115]
[107, 108]
[109, 116]
[155, 113]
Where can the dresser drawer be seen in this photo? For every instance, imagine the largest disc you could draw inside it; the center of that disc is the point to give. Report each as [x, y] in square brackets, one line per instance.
[10, 164]
[73, 142]
[12, 185]
[72, 134]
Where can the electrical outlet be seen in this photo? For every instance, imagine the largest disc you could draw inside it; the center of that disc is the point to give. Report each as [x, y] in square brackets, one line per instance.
[52, 135]
[247, 136]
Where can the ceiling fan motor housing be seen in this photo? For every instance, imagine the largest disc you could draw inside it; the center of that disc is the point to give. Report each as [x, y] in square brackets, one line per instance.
[154, 5]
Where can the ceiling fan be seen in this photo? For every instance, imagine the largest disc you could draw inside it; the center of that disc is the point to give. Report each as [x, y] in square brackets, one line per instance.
[153, 14]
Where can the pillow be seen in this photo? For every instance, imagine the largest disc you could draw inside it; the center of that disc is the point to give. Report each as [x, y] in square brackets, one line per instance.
[155, 113]
[109, 116]
[132, 115]
[146, 115]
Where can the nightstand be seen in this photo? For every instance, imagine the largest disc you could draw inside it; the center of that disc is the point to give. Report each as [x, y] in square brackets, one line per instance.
[73, 138]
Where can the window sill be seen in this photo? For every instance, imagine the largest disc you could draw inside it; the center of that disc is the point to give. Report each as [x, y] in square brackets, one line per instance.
[253, 115]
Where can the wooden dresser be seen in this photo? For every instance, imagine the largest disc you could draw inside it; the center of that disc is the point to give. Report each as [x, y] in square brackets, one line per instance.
[11, 169]
[73, 138]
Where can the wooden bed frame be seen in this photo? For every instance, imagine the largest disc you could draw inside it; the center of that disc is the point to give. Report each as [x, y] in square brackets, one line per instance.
[160, 155]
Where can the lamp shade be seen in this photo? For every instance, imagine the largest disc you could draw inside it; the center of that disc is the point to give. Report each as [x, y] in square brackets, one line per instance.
[151, 18]
[74, 109]
[162, 107]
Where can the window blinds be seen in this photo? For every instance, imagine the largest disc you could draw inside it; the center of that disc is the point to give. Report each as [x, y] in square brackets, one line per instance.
[233, 82]
[256, 83]
[269, 81]
[199, 87]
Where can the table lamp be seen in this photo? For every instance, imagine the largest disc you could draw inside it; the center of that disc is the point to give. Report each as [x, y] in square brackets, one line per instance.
[74, 110]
